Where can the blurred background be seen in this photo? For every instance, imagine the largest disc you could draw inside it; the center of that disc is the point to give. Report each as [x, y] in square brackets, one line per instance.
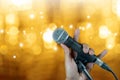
[27, 50]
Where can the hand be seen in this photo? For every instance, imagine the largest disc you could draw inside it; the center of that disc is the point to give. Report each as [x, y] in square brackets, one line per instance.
[70, 65]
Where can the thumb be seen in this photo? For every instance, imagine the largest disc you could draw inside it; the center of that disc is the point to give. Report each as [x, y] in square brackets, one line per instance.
[67, 52]
[66, 49]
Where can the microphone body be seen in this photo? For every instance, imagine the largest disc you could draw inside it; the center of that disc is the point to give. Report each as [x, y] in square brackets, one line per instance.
[61, 36]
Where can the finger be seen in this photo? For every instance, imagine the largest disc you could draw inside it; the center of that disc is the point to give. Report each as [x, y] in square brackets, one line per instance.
[85, 48]
[76, 34]
[89, 66]
[91, 51]
[102, 54]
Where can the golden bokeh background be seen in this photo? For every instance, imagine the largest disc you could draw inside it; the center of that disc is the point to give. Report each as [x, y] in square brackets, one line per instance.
[27, 50]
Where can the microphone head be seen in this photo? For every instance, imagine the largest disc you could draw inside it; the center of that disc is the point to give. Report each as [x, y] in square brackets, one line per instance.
[60, 35]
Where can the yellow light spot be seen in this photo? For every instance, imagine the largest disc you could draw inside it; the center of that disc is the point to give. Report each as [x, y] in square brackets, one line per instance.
[110, 42]
[62, 26]
[88, 17]
[52, 26]
[24, 32]
[88, 25]
[21, 45]
[41, 12]
[14, 57]
[2, 31]
[11, 18]
[22, 4]
[71, 26]
[91, 37]
[109, 46]
[118, 8]
[55, 48]
[82, 28]
[47, 36]
[40, 33]
[32, 28]
[13, 31]
[115, 34]
[32, 16]
[104, 32]
[41, 17]
[12, 35]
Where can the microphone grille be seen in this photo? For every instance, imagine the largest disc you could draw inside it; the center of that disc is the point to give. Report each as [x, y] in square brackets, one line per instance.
[60, 35]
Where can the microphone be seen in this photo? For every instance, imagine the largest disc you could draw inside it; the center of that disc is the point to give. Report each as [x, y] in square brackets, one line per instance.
[61, 36]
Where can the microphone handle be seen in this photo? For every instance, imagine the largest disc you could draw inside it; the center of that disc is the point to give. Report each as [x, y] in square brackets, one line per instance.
[84, 58]
[82, 68]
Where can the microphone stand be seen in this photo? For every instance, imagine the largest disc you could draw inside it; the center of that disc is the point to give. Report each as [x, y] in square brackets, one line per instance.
[82, 68]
